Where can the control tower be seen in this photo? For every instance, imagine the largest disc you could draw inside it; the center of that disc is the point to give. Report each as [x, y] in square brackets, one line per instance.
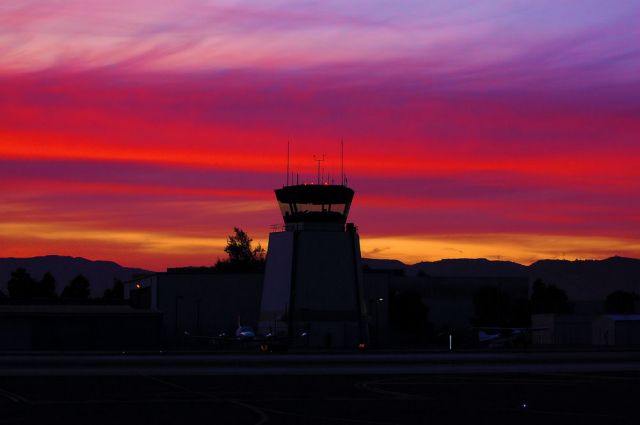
[312, 292]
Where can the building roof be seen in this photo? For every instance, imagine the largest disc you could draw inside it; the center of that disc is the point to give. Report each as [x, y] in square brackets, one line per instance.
[623, 317]
[315, 194]
[73, 310]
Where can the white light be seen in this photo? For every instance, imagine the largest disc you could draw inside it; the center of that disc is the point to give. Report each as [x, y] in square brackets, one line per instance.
[380, 299]
[450, 342]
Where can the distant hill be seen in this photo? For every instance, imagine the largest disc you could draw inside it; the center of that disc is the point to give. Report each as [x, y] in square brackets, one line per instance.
[590, 277]
[100, 273]
[384, 264]
[470, 267]
[581, 279]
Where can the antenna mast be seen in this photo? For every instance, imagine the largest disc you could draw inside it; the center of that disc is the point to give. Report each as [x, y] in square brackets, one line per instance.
[319, 161]
[342, 161]
[287, 162]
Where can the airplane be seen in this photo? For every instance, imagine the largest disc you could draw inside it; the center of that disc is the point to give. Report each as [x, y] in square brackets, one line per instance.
[244, 335]
[504, 337]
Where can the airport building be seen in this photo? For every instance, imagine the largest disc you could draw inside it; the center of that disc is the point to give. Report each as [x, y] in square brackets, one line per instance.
[562, 329]
[605, 330]
[313, 289]
[79, 327]
[447, 302]
[199, 304]
[313, 292]
[620, 330]
[196, 304]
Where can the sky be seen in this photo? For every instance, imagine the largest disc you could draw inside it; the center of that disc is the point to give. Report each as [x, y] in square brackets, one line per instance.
[143, 131]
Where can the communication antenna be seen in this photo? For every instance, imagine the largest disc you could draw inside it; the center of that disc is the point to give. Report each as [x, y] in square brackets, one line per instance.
[319, 161]
[287, 162]
[342, 161]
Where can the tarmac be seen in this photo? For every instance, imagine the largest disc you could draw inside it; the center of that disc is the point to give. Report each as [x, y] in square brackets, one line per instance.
[315, 388]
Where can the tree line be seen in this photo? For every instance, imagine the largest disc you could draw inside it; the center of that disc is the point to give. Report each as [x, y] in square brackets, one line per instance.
[493, 306]
[242, 256]
[23, 287]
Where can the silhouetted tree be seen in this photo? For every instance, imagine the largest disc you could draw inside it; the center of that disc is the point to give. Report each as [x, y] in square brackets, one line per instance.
[548, 299]
[520, 312]
[242, 256]
[79, 289]
[408, 314]
[46, 288]
[621, 302]
[116, 292]
[491, 306]
[495, 307]
[21, 284]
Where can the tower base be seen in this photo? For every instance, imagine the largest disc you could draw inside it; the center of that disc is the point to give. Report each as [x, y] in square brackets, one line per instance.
[312, 294]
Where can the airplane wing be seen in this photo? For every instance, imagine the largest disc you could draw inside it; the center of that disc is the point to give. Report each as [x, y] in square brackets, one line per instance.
[500, 329]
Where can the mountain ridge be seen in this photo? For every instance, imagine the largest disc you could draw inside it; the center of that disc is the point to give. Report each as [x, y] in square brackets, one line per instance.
[101, 273]
[581, 279]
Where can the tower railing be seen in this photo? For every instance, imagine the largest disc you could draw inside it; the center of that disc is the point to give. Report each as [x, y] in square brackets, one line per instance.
[279, 227]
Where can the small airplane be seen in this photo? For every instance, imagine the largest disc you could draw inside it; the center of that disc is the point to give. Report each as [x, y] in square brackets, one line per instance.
[505, 337]
[244, 335]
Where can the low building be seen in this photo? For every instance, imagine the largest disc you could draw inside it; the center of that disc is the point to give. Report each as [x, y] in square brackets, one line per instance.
[201, 302]
[561, 329]
[197, 303]
[78, 327]
[622, 330]
[447, 300]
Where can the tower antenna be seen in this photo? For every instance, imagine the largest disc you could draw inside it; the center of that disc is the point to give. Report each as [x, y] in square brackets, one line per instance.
[287, 162]
[342, 161]
[319, 161]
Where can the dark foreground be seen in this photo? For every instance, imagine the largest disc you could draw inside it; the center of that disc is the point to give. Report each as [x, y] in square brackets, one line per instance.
[531, 390]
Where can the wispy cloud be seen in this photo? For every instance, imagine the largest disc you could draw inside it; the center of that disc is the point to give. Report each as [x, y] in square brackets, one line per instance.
[463, 120]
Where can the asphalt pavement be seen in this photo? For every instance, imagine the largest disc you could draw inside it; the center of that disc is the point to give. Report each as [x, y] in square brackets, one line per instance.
[369, 388]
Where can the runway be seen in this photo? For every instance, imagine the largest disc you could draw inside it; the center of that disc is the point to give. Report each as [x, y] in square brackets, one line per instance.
[172, 364]
[383, 389]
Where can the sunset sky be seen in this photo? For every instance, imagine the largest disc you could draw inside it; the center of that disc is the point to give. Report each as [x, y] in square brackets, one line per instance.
[143, 131]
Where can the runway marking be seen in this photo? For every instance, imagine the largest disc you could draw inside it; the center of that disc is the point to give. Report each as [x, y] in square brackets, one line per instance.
[407, 396]
[561, 413]
[263, 417]
[112, 401]
[260, 411]
[327, 418]
[594, 377]
[536, 379]
[366, 386]
[497, 384]
[16, 398]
